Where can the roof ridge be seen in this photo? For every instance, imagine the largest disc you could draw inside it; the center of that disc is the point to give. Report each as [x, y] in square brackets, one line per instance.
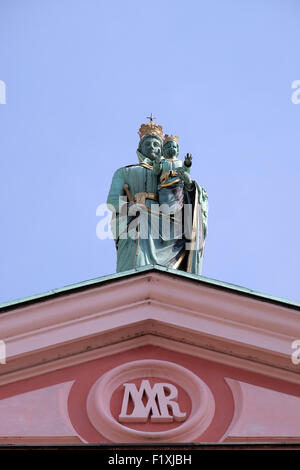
[4, 306]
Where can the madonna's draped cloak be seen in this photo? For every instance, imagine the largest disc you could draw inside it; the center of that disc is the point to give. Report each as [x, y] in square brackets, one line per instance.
[144, 235]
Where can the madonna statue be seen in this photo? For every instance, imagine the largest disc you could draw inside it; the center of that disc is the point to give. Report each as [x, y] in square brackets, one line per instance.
[159, 213]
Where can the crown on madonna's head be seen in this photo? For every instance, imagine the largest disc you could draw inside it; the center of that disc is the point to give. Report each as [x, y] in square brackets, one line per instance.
[169, 138]
[151, 129]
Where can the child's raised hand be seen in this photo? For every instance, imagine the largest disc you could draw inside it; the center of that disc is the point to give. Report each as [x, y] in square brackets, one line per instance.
[188, 159]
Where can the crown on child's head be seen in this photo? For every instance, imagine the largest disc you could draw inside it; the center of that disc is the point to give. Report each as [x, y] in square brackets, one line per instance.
[169, 138]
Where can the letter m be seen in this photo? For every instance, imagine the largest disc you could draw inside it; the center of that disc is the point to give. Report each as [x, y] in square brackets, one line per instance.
[158, 404]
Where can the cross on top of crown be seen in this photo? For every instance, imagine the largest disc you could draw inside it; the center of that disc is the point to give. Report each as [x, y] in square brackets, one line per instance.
[151, 117]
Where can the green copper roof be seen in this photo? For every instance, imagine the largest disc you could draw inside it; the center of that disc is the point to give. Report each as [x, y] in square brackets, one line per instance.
[111, 277]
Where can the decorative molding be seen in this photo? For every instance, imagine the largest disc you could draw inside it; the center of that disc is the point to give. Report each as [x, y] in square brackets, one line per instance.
[262, 440]
[98, 403]
[236, 390]
[145, 340]
[58, 332]
[46, 440]
[262, 411]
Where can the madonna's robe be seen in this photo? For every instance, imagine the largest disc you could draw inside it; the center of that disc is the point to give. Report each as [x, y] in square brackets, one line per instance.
[146, 234]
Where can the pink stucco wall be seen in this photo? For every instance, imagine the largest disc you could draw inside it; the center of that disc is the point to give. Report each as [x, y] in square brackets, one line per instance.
[247, 404]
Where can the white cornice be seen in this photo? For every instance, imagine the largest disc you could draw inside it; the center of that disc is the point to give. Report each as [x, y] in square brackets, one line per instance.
[149, 305]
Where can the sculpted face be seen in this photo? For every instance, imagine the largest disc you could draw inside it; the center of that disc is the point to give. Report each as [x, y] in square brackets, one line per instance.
[170, 149]
[151, 147]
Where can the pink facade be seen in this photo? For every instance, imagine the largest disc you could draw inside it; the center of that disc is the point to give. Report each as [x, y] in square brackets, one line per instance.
[150, 357]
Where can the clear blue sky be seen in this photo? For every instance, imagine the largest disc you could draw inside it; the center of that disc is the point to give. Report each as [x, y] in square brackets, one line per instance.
[82, 75]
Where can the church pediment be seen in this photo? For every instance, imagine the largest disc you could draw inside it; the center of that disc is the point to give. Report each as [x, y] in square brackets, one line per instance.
[151, 305]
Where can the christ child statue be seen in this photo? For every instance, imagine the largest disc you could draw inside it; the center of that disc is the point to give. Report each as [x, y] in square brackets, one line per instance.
[173, 173]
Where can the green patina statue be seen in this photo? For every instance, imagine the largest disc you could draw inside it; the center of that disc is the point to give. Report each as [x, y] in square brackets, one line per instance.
[159, 213]
[173, 175]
